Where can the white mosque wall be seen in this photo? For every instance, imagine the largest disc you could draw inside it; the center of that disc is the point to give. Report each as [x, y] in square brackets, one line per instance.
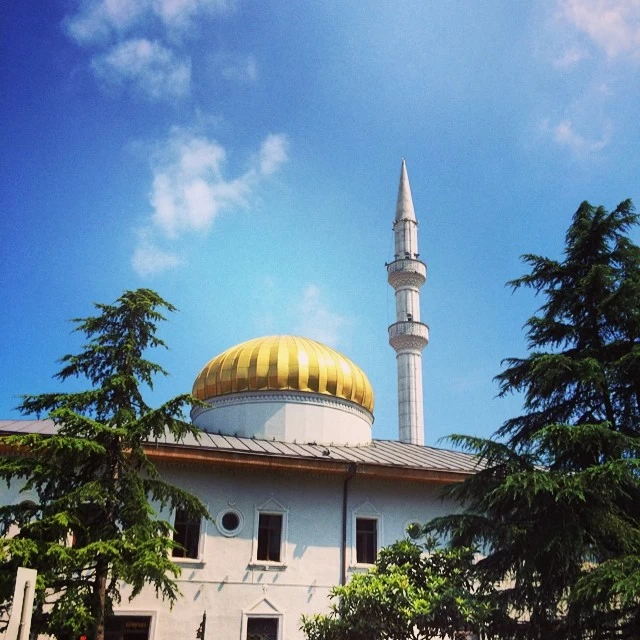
[229, 584]
[287, 417]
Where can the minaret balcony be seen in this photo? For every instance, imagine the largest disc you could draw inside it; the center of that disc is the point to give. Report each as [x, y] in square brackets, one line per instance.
[408, 335]
[407, 272]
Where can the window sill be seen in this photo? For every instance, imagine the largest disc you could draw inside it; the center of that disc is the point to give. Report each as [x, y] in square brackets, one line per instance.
[266, 565]
[189, 561]
[361, 567]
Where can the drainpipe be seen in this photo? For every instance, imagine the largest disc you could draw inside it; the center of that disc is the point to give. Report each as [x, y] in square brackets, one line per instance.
[353, 467]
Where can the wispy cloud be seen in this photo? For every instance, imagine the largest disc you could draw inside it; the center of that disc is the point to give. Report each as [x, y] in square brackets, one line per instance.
[100, 21]
[147, 67]
[273, 153]
[304, 310]
[97, 21]
[125, 54]
[564, 134]
[148, 259]
[190, 189]
[611, 25]
[607, 34]
[242, 69]
[604, 89]
[317, 320]
[180, 14]
[570, 57]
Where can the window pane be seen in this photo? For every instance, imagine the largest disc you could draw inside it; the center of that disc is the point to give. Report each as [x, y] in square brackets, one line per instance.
[230, 521]
[187, 534]
[366, 540]
[262, 629]
[127, 628]
[269, 536]
[414, 530]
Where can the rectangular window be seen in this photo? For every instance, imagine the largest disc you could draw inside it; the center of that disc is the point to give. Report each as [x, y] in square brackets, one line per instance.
[269, 537]
[187, 535]
[366, 540]
[127, 628]
[262, 629]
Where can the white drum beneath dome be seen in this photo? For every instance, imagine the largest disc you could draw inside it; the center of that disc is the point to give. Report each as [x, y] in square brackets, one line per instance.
[287, 416]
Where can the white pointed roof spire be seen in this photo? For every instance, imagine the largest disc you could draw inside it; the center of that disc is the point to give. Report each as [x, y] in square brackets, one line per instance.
[404, 206]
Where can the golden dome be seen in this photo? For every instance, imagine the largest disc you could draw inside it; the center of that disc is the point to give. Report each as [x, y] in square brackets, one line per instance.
[284, 363]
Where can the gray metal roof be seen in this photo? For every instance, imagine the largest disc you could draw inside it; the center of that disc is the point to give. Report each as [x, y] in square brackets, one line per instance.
[385, 453]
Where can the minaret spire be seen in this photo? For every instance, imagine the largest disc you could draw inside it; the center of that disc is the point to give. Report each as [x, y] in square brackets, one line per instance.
[404, 206]
[407, 335]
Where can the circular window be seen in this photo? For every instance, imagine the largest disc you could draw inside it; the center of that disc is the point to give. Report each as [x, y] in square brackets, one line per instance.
[414, 530]
[229, 522]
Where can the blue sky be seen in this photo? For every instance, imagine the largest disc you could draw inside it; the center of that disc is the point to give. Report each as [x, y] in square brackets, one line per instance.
[242, 158]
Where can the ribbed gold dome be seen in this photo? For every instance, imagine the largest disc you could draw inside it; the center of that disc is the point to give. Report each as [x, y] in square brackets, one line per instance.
[284, 363]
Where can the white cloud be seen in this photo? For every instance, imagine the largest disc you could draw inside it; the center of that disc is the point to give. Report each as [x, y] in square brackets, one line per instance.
[180, 13]
[96, 21]
[273, 153]
[612, 25]
[152, 70]
[565, 135]
[148, 259]
[189, 190]
[140, 43]
[317, 321]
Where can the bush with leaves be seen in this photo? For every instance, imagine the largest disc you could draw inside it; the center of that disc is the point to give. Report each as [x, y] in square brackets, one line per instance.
[414, 592]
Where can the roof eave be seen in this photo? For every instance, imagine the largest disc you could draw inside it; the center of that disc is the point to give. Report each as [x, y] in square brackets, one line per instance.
[179, 454]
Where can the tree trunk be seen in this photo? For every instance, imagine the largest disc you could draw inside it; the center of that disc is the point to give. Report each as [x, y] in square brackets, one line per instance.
[102, 570]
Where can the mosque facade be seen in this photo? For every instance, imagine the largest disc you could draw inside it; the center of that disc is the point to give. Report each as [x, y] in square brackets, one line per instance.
[301, 496]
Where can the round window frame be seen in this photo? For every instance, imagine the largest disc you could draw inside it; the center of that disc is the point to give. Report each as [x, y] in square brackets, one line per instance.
[407, 526]
[226, 532]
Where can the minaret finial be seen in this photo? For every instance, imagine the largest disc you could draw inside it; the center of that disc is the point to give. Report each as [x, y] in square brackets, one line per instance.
[408, 336]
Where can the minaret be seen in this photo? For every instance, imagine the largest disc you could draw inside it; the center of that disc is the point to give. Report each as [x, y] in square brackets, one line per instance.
[408, 336]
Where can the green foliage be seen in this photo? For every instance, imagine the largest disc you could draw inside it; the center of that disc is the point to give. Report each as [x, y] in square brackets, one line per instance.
[547, 532]
[93, 482]
[556, 508]
[413, 592]
[588, 328]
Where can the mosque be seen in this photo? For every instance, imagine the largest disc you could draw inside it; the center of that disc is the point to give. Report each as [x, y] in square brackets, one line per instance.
[302, 497]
